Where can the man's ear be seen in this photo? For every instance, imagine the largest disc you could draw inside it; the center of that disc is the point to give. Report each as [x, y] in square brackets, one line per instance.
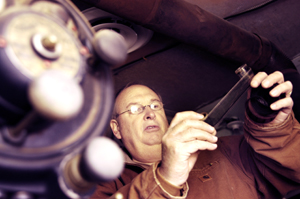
[114, 125]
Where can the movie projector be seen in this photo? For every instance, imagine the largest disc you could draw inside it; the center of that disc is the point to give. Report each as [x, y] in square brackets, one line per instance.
[56, 98]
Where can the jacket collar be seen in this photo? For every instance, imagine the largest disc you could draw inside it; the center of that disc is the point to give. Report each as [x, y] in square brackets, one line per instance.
[129, 161]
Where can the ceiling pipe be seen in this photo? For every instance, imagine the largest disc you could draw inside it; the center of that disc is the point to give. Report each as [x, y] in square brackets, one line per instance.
[191, 24]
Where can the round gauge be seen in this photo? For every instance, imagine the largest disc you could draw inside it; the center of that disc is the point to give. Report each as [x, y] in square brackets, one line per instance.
[40, 44]
[30, 43]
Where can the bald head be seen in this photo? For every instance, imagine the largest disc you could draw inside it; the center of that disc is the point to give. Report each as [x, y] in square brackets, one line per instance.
[141, 133]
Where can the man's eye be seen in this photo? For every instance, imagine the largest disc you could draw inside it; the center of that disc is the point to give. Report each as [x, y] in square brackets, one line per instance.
[135, 109]
[155, 106]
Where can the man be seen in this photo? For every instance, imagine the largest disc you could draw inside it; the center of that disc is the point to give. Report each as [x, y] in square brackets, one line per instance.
[186, 160]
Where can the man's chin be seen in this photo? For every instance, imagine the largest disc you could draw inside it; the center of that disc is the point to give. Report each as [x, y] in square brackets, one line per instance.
[153, 140]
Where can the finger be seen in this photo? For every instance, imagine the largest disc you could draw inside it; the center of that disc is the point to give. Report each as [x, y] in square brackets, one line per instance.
[192, 134]
[184, 116]
[194, 146]
[270, 80]
[193, 124]
[285, 87]
[257, 79]
[266, 80]
[285, 103]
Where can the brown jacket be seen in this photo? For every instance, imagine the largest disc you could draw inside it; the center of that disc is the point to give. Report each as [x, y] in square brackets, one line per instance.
[262, 163]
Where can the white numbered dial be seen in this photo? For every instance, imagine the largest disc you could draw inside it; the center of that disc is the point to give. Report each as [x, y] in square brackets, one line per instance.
[38, 43]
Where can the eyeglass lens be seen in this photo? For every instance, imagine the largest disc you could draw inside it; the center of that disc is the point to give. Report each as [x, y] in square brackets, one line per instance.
[138, 108]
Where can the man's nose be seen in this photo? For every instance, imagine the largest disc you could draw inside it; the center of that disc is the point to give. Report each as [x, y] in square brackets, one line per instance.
[149, 113]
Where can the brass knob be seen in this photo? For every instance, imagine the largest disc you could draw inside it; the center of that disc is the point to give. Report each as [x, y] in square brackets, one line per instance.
[49, 42]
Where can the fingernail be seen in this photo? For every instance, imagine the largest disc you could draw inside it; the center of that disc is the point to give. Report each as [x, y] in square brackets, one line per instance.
[200, 116]
[215, 138]
[255, 83]
[273, 106]
[266, 83]
[273, 92]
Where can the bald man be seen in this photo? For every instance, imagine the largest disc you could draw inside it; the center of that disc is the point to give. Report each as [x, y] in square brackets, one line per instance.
[186, 160]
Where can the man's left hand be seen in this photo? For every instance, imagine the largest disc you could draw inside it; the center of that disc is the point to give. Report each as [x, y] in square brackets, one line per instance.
[285, 105]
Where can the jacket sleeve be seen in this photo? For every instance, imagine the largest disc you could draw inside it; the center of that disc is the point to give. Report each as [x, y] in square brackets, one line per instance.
[275, 152]
[148, 184]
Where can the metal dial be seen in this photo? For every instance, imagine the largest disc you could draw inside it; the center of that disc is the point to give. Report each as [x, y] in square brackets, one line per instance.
[38, 43]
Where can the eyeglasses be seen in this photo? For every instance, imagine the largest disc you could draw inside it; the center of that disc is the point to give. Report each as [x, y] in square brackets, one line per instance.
[136, 109]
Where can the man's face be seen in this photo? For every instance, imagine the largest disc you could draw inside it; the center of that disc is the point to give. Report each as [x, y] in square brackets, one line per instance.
[142, 133]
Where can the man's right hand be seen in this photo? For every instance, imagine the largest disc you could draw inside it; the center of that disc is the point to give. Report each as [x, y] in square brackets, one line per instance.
[186, 136]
